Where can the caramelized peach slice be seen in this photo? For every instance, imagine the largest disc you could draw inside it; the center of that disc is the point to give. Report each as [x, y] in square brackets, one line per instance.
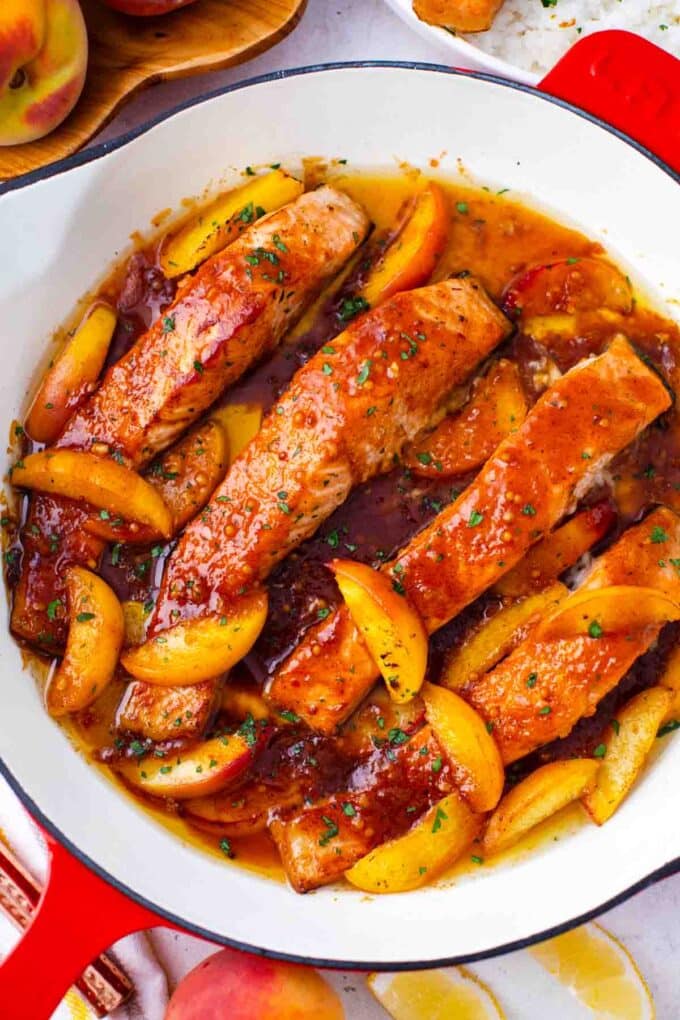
[240, 422]
[424, 852]
[468, 744]
[462, 442]
[103, 482]
[625, 746]
[557, 551]
[72, 374]
[185, 478]
[568, 286]
[95, 636]
[543, 793]
[203, 769]
[199, 649]
[483, 648]
[670, 679]
[242, 812]
[224, 219]
[615, 609]
[390, 626]
[240, 700]
[410, 259]
[134, 619]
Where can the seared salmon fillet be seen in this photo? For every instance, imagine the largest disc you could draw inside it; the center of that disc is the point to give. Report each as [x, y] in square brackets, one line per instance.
[534, 477]
[458, 15]
[572, 674]
[344, 418]
[387, 794]
[232, 312]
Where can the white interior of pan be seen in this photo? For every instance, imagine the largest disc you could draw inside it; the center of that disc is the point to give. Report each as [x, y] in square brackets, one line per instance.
[57, 238]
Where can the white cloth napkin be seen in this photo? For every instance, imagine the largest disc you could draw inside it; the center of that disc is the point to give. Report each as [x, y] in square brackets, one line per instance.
[134, 953]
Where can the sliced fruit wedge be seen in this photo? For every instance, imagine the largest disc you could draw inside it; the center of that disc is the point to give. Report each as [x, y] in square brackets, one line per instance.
[670, 679]
[95, 637]
[464, 441]
[617, 609]
[199, 649]
[494, 639]
[410, 259]
[390, 626]
[469, 746]
[428, 848]
[451, 993]
[134, 617]
[540, 795]
[625, 746]
[223, 220]
[114, 489]
[203, 769]
[599, 972]
[241, 422]
[185, 478]
[72, 374]
[568, 286]
[558, 551]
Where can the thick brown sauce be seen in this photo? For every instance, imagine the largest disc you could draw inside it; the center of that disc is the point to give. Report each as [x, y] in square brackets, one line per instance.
[495, 238]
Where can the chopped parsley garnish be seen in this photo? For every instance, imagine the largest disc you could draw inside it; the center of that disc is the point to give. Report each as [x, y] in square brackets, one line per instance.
[437, 764]
[600, 751]
[462, 208]
[52, 608]
[349, 809]
[529, 510]
[331, 831]
[476, 859]
[658, 535]
[364, 372]
[531, 679]
[546, 710]
[247, 730]
[333, 540]
[289, 716]
[84, 617]
[225, 847]
[323, 613]
[439, 817]
[475, 518]
[351, 307]
[424, 457]
[594, 629]
[396, 736]
[168, 323]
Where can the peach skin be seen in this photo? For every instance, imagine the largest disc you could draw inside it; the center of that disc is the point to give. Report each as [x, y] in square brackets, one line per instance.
[43, 60]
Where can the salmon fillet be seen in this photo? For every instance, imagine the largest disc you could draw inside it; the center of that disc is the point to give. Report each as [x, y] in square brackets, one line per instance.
[344, 418]
[534, 477]
[571, 675]
[387, 794]
[233, 311]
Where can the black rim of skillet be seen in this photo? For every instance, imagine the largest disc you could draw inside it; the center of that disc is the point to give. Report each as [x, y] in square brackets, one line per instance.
[96, 152]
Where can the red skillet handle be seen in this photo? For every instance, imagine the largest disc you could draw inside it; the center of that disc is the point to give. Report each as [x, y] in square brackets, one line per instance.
[78, 916]
[627, 82]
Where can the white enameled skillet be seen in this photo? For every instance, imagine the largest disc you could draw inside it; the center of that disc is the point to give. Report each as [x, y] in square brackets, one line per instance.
[60, 229]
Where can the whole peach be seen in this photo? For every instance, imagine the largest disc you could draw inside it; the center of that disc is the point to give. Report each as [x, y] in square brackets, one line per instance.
[244, 987]
[43, 60]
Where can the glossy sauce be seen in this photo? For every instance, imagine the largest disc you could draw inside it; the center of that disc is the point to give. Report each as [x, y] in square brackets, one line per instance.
[494, 238]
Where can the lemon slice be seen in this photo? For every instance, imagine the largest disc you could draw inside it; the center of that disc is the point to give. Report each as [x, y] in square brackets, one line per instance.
[598, 971]
[435, 995]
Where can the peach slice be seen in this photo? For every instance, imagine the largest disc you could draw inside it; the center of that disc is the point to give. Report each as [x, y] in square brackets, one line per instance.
[390, 626]
[483, 648]
[625, 745]
[462, 442]
[224, 219]
[602, 611]
[557, 551]
[72, 374]
[468, 744]
[414, 859]
[242, 812]
[43, 60]
[203, 769]
[240, 422]
[243, 986]
[99, 480]
[568, 286]
[185, 478]
[95, 637]
[134, 617]
[240, 700]
[199, 649]
[670, 679]
[543, 793]
[410, 259]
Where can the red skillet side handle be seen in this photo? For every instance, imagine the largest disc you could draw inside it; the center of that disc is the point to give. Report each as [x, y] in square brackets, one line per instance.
[78, 916]
[627, 82]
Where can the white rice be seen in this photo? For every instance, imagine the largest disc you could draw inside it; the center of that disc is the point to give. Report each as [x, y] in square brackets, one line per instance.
[529, 35]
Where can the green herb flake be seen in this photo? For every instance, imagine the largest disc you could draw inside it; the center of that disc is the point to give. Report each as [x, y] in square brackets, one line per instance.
[168, 323]
[439, 817]
[84, 617]
[349, 809]
[594, 629]
[331, 831]
[658, 535]
[475, 518]
[600, 751]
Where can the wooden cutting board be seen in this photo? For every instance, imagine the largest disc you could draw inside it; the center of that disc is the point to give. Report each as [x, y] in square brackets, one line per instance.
[129, 53]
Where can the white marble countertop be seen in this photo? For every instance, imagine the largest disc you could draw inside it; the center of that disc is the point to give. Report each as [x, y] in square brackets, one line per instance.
[337, 30]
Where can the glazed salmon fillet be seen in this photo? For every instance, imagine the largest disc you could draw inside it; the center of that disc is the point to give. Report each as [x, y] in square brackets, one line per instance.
[344, 418]
[232, 312]
[388, 793]
[572, 674]
[534, 477]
